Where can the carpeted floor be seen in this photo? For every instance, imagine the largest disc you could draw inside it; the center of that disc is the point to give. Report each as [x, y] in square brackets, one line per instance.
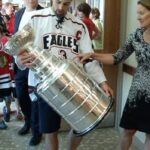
[99, 139]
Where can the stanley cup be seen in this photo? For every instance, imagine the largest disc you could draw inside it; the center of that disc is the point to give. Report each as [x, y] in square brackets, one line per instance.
[64, 85]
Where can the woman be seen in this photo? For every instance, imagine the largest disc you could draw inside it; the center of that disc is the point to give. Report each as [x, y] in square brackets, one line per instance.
[9, 10]
[137, 109]
[94, 15]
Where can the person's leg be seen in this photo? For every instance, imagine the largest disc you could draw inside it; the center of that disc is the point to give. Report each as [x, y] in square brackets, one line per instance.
[24, 99]
[51, 141]
[49, 125]
[73, 141]
[6, 109]
[147, 142]
[19, 115]
[36, 135]
[8, 100]
[126, 139]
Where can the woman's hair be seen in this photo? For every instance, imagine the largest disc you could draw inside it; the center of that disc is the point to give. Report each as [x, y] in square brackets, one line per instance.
[84, 8]
[145, 3]
[96, 12]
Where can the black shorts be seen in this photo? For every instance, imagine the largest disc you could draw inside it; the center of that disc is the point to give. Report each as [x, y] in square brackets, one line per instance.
[49, 120]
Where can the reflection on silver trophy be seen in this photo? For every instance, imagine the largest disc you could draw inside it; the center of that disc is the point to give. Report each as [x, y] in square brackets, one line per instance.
[64, 86]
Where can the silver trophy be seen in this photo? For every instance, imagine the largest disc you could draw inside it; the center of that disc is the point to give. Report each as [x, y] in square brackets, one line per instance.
[64, 86]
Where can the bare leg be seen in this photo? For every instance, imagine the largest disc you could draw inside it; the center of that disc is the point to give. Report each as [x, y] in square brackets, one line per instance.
[17, 105]
[51, 141]
[147, 142]
[8, 103]
[126, 139]
[19, 115]
[74, 141]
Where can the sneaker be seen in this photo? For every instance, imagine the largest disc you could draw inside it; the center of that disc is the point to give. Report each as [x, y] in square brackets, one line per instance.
[35, 140]
[6, 114]
[2, 125]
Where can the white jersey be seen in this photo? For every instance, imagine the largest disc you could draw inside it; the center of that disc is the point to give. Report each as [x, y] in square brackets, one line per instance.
[65, 38]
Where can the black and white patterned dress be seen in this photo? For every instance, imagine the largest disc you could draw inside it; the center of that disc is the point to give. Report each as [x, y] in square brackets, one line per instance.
[136, 114]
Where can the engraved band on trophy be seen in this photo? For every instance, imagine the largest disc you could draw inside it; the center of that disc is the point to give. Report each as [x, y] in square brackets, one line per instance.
[64, 86]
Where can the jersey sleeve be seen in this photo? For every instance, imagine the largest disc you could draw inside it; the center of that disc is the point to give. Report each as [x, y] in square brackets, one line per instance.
[92, 68]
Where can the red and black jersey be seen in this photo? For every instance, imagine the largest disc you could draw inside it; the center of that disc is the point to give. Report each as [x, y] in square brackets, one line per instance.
[6, 70]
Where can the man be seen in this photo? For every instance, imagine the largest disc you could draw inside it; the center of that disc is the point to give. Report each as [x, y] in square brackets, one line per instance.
[83, 12]
[29, 109]
[54, 28]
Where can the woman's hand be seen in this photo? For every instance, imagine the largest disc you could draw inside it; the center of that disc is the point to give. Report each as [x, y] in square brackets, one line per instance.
[86, 57]
[103, 58]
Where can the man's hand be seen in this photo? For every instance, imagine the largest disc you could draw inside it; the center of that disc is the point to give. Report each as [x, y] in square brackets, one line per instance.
[106, 88]
[26, 58]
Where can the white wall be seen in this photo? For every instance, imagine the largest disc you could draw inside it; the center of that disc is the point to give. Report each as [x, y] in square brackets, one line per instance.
[131, 25]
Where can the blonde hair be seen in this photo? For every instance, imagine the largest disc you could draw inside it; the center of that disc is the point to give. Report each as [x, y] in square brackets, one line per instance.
[145, 3]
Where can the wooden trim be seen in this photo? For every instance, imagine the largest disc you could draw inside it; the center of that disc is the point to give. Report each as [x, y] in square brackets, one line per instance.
[112, 16]
[129, 69]
[112, 25]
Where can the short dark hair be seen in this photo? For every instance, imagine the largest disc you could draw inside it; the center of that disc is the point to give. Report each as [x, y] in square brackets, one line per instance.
[85, 8]
[96, 12]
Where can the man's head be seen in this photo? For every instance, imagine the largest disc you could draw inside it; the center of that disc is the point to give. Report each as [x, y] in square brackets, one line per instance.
[31, 4]
[61, 7]
[9, 9]
[83, 10]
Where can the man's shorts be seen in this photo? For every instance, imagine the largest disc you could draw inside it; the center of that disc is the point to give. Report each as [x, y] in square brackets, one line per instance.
[49, 120]
[7, 99]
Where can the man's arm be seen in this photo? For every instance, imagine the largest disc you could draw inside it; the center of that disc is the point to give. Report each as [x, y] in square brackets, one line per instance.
[93, 68]
[96, 73]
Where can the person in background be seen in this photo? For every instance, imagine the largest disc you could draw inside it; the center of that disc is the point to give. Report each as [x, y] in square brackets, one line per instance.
[83, 12]
[2, 21]
[136, 112]
[8, 24]
[28, 107]
[7, 85]
[9, 10]
[95, 16]
[58, 23]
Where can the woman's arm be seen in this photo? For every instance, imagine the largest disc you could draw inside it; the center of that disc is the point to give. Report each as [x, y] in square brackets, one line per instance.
[104, 58]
